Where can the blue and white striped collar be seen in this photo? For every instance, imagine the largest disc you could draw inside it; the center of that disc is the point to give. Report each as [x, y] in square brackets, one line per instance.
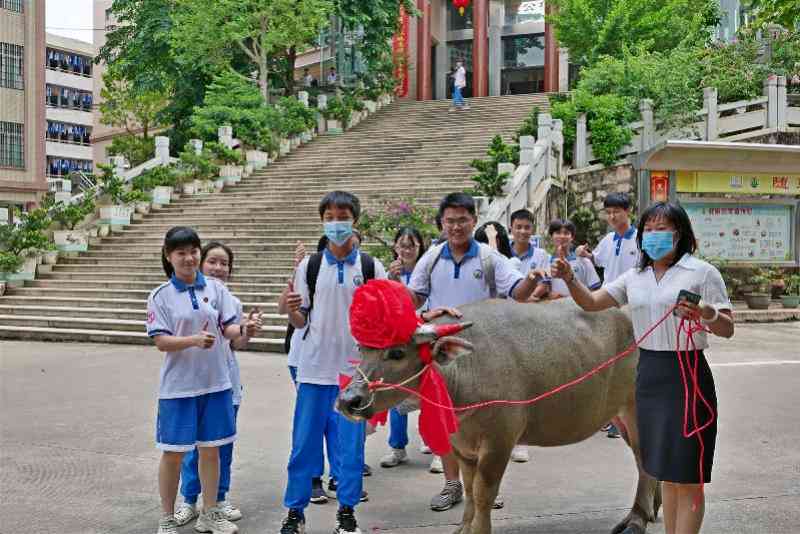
[181, 286]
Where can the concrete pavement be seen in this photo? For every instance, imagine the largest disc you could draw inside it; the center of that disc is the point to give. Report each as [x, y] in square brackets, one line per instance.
[77, 454]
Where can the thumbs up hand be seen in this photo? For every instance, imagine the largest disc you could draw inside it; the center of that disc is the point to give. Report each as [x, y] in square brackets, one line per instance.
[253, 323]
[293, 299]
[204, 339]
[561, 267]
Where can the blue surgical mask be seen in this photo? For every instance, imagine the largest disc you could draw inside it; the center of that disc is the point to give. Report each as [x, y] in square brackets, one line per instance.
[657, 244]
[338, 232]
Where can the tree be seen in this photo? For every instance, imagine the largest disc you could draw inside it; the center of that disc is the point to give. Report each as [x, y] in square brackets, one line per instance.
[594, 28]
[783, 12]
[214, 34]
[123, 106]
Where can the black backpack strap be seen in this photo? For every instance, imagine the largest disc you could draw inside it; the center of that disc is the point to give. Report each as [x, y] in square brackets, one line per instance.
[367, 266]
[312, 273]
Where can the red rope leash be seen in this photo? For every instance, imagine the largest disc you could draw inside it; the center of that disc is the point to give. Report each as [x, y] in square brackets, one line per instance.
[608, 363]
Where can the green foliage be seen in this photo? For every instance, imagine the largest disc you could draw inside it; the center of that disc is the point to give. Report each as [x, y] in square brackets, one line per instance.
[295, 117]
[761, 280]
[338, 109]
[785, 57]
[353, 102]
[382, 223]
[792, 284]
[530, 126]
[124, 105]
[111, 184]
[221, 154]
[155, 177]
[488, 182]
[734, 69]
[28, 236]
[589, 228]
[783, 12]
[70, 215]
[595, 28]
[199, 166]
[135, 195]
[10, 263]
[134, 148]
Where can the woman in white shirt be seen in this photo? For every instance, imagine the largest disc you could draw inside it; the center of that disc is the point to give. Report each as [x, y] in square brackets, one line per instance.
[667, 266]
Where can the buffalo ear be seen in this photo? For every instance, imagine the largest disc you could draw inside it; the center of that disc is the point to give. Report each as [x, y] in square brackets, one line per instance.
[449, 348]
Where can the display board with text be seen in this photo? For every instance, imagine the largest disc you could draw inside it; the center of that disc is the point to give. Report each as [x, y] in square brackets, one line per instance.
[744, 232]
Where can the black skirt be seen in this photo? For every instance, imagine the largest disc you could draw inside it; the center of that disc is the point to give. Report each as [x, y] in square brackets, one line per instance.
[666, 454]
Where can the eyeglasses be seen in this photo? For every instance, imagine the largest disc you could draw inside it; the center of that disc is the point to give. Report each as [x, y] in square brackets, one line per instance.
[406, 246]
[452, 223]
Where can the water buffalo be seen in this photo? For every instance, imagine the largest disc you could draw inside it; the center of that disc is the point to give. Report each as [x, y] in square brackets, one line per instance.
[516, 351]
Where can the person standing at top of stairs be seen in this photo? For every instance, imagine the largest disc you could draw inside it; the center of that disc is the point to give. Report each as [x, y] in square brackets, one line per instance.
[459, 83]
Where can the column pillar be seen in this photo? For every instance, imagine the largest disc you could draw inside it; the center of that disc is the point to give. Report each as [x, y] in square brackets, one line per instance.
[550, 55]
[495, 65]
[442, 58]
[424, 89]
[480, 48]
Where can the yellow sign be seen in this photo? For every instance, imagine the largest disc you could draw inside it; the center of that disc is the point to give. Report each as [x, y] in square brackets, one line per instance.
[730, 182]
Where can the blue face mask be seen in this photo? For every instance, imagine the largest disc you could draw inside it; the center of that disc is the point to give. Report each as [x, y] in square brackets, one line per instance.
[338, 232]
[657, 244]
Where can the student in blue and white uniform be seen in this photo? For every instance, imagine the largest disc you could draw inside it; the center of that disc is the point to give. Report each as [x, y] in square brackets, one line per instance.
[529, 256]
[616, 253]
[326, 354]
[191, 318]
[451, 275]
[408, 248]
[216, 261]
[666, 267]
[562, 234]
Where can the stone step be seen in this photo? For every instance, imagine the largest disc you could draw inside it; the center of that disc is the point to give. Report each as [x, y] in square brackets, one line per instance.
[145, 285]
[83, 264]
[155, 256]
[111, 303]
[61, 335]
[271, 319]
[125, 294]
[153, 277]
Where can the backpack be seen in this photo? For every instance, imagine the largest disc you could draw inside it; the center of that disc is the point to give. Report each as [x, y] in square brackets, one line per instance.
[487, 264]
[312, 273]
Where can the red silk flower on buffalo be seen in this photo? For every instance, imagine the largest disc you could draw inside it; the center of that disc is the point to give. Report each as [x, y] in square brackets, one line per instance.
[382, 315]
[461, 5]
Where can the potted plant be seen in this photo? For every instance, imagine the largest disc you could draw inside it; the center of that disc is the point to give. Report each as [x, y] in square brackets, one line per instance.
[140, 200]
[792, 297]
[113, 209]
[760, 297]
[230, 164]
[159, 182]
[68, 239]
[25, 241]
[337, 115]
[51, 254]
[10, 264]
[197, 170]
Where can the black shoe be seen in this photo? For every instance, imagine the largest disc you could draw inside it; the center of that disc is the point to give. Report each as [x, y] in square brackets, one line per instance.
[333, 486]
[367, 471]
[318, 495]
[613, 432]
[294, 523]
[346, 521]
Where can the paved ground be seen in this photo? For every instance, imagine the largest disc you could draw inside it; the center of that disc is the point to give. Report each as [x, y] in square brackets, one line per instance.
[77, 456]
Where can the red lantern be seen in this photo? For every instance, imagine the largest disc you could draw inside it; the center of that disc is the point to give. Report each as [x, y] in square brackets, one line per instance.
[461, 5]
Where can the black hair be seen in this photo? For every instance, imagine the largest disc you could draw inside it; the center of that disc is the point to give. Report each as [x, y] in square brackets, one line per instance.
[211, 246]
[617, 200]
[522, 214]
[413, 233]
[559, 224]
[457, 200]
[177, 237]
[503, 243]
[438, 220]
[675, 214]
[342, 200]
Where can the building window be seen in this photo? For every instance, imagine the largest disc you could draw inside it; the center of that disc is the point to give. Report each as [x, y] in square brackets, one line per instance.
[12, 59]
[65, 97]
[12, 147]
[65, 166]
[68, 62]
[521, 12]
[74, 134]
[12, 5]
[457, 21]
[523, 64]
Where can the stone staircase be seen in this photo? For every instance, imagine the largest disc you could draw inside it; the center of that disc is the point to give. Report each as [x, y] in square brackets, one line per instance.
[409, 149]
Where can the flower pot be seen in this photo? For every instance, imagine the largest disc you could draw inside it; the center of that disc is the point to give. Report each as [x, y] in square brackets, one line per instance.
[71, 240]
[258, 158]
[51, 257]
[28, 271]
[143, 207]
[2, 285]
[162, 195]
[233, 172]
[334, 126]
[286, 147]
[190, 188]
[295, 142]
[371, 105]
[219, 184]
[92, 231]
[757, 301]
[104, 230]
[116, 215]
[205, 186]
[790, 301]
[249, 168]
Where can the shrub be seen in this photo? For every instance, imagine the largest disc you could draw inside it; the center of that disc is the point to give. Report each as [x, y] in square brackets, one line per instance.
[69, 216]
[381, 225]
[198, 166]
[134, 148]
[295, 117]
[10, 263]
[28, 236]
[223, 154]
[337, 109]
[109, 183]
[489, 182]
[155, 177]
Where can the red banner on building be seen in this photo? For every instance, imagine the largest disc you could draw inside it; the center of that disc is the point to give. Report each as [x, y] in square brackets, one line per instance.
[400, 55]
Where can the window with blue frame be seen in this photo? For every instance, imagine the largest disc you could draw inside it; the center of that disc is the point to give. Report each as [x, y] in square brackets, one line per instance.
[69, 62]
[12, 5]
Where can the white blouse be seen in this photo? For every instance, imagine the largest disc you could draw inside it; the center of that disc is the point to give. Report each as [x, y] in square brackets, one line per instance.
[649, 300]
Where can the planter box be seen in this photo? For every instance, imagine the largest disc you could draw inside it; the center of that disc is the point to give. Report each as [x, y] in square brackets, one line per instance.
[295, 142]
[28, 272]
[71, 240]
[116, 215]
[143, 207]
[758, 301]
[258, 158]
[205, 186]
[371, 105]
[2, 284]
[190, 188]
[51, 257]
[334, 126]
[286, 147]
[233, 172]
[219, 184]
[249, 168]
[104, 230]
[162, 195]
[790, 301]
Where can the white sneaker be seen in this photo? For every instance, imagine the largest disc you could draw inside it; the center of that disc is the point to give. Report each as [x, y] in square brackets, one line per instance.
[230, 512]
[436, 465]
[424, 449]
[394, 458]
[213, 520]
[520, 454]
[168, 525]
[185, 513]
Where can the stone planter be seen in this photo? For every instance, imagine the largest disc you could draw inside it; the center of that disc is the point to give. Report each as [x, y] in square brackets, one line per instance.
[258, 158]
[219, 184]
[190, 188]
[790, 301]
[2, 284]
[249, 168]
[143, 207]
[286, 147]
[333, 126]
[116, 215]
[51, 257]
[757, 301]
[162, 195]
[295, 142]
[28, 272]
[92, 231]
[231, 173]
[71, 240]
[104, 230]
[371, 105]
[205, 186]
